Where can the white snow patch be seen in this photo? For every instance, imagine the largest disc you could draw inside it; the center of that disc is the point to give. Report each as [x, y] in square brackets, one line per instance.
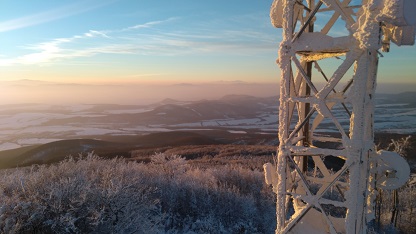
[77, 108]
[237, 131]
[23, 120]
[146, 129]
[391, 105]
[127, 111]
[96, 131]
[194, 129]
[35, 141]
[8, 146]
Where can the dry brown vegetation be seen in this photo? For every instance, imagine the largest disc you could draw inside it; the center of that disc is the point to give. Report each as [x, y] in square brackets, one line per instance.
[248, 156]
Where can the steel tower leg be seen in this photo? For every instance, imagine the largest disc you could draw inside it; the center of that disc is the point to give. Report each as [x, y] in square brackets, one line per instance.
[312, 195]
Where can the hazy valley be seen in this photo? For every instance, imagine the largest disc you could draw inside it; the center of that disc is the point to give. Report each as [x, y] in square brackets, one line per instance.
[39, 133]
[200, 164]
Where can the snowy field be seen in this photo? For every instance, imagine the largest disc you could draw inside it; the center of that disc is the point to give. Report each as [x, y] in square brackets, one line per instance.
[24, 125]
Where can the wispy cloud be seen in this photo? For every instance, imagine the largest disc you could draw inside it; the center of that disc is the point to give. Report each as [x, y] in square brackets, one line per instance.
[149, 24]
[94, 33]
[149, 38]
[51, 15]
[111, 42]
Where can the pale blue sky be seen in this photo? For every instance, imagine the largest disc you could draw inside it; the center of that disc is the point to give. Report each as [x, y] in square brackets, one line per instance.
[151, 41]
[179, 40]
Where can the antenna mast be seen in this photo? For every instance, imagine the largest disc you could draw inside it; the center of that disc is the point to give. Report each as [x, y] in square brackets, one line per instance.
[328, 170]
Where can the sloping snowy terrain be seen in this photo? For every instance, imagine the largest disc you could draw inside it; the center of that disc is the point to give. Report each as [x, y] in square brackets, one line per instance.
[30, 124]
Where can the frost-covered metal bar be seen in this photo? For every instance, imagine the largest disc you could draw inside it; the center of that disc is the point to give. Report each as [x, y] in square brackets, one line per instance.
[283, 152]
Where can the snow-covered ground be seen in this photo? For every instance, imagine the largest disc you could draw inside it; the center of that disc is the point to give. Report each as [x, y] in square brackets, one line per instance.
[23, 125]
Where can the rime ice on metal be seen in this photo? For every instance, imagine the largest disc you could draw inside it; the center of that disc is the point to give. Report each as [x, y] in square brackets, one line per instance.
[326, 182]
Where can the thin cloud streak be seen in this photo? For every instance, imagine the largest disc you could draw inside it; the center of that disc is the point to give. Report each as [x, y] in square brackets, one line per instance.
[139, 40]
[148, 24]
[51, 15]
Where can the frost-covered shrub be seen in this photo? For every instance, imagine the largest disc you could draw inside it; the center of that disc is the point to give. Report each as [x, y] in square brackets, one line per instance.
[398, 215]
[88, 195]
[215, 200]
[167, 195]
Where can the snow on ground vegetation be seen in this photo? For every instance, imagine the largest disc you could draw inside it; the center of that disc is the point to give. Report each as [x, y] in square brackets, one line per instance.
[115, 196]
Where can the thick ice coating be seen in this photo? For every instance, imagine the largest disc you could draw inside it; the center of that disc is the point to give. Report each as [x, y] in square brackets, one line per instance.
[276, 14]
[396, 19]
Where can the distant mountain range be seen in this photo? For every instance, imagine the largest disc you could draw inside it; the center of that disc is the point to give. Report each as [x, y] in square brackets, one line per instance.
[28, 124]
[39, 133]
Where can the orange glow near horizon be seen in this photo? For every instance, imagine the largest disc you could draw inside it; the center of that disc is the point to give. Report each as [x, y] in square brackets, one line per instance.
[144, 52]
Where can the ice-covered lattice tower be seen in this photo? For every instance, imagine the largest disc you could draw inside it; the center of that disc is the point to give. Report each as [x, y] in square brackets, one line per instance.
[328, 171]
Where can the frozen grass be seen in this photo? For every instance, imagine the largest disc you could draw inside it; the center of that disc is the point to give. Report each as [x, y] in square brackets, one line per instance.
[167, 195]
[78, 196]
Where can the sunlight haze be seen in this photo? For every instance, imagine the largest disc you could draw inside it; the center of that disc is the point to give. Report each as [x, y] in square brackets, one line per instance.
[150, 44]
